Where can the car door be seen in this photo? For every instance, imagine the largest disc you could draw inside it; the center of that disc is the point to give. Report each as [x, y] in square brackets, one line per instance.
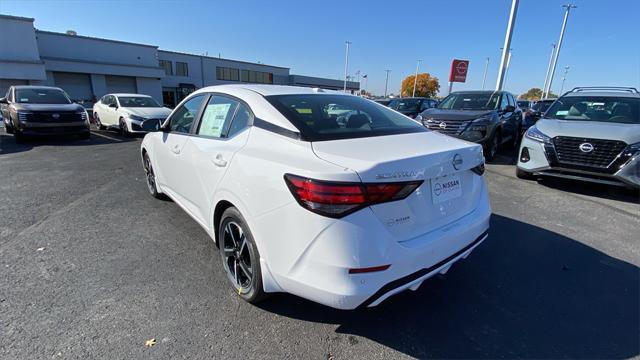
[506, 118]
[108, 114]
[172, 165]
[221, 132]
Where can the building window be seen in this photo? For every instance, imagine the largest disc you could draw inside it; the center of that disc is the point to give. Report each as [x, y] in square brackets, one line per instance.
[167, 66]
[227, 74]
[259, 77]
[182, 69]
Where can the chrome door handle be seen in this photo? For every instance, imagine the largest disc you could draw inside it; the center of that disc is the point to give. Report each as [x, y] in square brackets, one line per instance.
[219, 161]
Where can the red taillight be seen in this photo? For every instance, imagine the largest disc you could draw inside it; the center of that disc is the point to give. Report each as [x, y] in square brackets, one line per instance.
[337, 199]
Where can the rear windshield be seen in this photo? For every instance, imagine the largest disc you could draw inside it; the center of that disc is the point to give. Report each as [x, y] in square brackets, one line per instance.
[41, 96]
[316, 117]
[137, 101]
[596, 108]
[470, 101]
[404, 104]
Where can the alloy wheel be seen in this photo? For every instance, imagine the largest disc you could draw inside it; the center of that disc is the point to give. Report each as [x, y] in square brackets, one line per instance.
[237, 258]
[151, 177]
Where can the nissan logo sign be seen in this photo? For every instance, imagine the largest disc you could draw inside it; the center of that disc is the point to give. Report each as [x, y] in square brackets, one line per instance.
[443, 125]
[586, 147]
[55, 116]
[457, 161]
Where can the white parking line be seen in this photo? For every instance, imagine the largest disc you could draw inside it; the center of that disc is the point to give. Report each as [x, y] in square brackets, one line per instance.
[105, 136]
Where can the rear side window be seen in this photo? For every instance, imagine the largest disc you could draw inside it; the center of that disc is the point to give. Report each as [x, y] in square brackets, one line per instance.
[321, 117]
[217, 115]
[243, 118]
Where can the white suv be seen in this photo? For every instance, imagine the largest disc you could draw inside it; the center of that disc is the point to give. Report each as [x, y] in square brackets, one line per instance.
[345, 213]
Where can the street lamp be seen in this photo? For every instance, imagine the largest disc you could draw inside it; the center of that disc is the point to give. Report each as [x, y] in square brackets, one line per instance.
[386, 82]
[346, 64]
[546, 76]
[415, 79]
[555, 58]
[484, 77]
[507, 45]
[566, 70]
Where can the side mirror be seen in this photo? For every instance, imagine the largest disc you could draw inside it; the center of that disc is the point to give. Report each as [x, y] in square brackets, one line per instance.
[3, 100]
[113, 106]
[152, 125]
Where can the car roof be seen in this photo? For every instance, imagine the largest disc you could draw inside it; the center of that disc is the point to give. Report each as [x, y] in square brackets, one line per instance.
[36, 87]
[268, 90]
[131, 95]
[479, 92]
[602, 94]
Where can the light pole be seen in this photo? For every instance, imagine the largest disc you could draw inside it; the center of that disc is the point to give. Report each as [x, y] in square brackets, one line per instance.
[365, 77]
[555, 58]
[358, 80]
[566, 70]
[506, 70]
[507, 45]
[546, 76]
[386, 82]
[484, 77]
[346, 64]
[415, 79]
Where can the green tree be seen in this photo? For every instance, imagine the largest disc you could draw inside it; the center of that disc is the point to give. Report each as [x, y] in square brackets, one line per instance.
[426, 86]
[535, 94]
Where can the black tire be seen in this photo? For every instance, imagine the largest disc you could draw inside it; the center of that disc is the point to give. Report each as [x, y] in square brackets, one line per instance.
[525, 175]
[8, 129]
[151, 178]
[491, 148]
[96, 120]
[240, 256]
[516, 139]
[18, 138]
[124, 130]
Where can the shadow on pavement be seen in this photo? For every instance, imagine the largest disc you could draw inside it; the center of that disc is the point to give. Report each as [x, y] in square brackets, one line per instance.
[9, 146]
[526, 292]
[592, 189]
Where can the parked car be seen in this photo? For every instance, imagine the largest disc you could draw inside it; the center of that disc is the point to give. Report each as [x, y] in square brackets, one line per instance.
[411, 106]
[591, 134]
[486, 117]
[342, 215]
[384, 102]
[126, 112]
[524, 105]
[42, 111]
[531, 116]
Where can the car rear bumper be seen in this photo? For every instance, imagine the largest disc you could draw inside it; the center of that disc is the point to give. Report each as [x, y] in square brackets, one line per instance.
[321, 273]
[628, 174]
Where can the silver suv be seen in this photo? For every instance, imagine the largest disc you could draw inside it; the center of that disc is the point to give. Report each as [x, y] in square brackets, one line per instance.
[589, 133]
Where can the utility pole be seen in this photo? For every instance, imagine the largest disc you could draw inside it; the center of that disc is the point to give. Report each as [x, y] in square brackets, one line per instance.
[346, 64]
[546, 76]
[555, 58]
[566, 70]
[507, 44]
[484, 77]
[415, 79]
[386, 82]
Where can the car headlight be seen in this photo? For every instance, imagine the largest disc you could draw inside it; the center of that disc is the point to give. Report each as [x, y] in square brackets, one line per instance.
[536, 135]
[633, 148]
[136, 117]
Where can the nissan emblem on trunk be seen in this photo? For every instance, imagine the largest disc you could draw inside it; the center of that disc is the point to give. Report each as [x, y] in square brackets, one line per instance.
[457, 161]
[586, 147]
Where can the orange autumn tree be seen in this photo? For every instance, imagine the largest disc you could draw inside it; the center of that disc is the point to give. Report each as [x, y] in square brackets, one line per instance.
[427, 86]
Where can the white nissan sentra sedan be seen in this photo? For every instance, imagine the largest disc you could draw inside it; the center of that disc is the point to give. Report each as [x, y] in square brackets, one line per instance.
[345, 213]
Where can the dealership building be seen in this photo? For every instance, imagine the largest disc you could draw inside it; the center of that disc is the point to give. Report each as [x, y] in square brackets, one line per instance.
[87, 67]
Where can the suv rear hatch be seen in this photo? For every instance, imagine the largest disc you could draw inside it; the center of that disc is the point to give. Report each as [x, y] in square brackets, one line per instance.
[450, 189]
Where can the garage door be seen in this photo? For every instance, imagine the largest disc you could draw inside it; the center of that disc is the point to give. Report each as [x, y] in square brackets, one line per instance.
[121, 84]
[77, 86]
[6, 83]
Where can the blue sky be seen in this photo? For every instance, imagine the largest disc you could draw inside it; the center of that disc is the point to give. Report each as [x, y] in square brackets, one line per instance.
[601, 45]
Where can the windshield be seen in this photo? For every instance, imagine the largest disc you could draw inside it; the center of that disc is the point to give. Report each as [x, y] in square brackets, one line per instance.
[404, 104]
[542, 106]
[470, 101]
[314, 116]
[137, 101]
[614, 109]
[41, 96]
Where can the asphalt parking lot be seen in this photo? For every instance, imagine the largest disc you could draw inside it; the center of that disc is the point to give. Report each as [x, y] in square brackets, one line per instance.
[92, 267]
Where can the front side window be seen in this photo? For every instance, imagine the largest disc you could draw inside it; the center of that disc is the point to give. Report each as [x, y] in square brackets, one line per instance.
[137, 101]
[216, 116]
[182, 69]
[470, 101]
[504, 102]
[183, 117]
[613, 109]
[314, 116]
[41, 96]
